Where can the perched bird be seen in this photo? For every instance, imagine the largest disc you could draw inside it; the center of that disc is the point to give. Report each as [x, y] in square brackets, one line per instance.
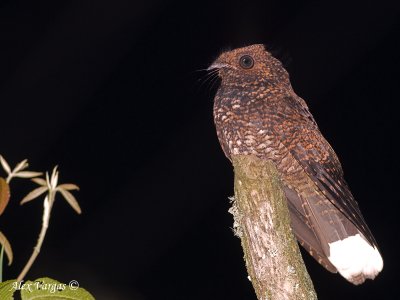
[256, 112]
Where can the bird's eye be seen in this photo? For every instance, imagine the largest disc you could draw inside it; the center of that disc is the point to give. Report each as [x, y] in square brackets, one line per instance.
[246, 62]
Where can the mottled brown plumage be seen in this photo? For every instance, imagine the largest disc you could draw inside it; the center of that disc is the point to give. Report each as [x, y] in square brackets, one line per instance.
[257, 112]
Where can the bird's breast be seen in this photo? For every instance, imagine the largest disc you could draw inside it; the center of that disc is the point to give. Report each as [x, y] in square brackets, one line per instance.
[244, 126]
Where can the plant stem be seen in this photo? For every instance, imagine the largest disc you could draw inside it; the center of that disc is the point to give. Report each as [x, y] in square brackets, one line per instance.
[1, 263]
[48, 205]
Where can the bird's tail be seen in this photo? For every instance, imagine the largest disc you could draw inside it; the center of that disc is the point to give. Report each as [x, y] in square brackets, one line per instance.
[333, 240]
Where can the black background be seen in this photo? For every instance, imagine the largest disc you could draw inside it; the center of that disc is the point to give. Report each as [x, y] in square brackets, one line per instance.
[109, 91]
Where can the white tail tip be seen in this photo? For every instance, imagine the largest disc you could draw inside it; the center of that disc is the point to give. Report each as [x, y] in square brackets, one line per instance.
[355, 259]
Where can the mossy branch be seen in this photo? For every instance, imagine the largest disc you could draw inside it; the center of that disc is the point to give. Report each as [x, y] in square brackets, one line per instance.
[273, 260]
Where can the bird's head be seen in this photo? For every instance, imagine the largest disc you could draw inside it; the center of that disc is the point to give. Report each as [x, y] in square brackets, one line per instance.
[251, 65]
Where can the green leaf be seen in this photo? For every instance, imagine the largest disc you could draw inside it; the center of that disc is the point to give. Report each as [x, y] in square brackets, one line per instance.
[50, 289]
[7, 289]
[7, 248]
[71, 200]
[4, 194]
[27, 174]
[34, 194]
[68, 187]
[5, 165]
[22, 165]
[39, 181]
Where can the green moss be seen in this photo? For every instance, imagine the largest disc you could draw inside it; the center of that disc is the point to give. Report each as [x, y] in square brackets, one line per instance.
[271, 252]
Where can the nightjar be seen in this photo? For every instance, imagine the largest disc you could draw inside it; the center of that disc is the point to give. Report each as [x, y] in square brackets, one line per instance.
[256, 112]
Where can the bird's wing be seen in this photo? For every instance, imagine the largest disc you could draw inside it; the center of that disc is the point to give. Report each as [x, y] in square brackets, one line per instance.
[304, 232]
[319, 161]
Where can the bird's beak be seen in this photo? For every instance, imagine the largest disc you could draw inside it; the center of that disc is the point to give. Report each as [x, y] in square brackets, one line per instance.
[217, 65]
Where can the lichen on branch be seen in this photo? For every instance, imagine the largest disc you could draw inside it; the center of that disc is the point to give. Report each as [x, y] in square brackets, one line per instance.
[273, 259]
